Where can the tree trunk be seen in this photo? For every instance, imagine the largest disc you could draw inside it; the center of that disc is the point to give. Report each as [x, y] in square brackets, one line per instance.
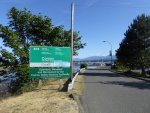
[143, 71]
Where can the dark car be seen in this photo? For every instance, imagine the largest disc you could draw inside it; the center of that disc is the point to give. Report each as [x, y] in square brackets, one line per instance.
[2, 72]
[147, 72]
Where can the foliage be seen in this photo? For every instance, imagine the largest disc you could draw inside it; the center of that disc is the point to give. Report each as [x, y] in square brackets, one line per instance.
[25, 29]
[118, 67]
[133, 74]
[134, 50]
[83, 65]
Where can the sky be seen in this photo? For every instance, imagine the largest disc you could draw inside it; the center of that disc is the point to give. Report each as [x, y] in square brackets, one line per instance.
[96, 20]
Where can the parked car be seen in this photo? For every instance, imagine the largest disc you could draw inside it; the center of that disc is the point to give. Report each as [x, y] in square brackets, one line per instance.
[12, 74]
[6, 77]
[2, 72]
[13, 79]
[1, 78]
[147, 72]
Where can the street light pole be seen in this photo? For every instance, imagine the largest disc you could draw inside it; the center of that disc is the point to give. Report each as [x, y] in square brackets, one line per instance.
[110, 51]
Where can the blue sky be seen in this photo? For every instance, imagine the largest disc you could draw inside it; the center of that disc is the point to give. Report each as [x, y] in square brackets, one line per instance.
[97, 20]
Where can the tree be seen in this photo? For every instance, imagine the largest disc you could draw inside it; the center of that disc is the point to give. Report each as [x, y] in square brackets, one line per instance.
[134, 50]
[25, 29]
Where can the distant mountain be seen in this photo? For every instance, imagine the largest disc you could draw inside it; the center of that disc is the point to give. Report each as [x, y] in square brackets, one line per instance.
[95, 58]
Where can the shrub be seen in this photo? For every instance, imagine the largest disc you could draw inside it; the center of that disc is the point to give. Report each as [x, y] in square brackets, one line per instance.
[128, 72]
[83, 65]
[18, 86]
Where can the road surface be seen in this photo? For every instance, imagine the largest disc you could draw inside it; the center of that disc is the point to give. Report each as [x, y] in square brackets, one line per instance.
[107, 92]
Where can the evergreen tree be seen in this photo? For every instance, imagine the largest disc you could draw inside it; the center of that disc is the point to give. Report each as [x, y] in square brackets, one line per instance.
[134, 50]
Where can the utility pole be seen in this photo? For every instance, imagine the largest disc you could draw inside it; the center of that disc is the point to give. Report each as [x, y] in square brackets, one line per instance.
[72, 22]
[110, 51]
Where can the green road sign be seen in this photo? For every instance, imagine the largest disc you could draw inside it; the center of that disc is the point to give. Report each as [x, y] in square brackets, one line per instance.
[44, 56]
[49, 62]
[49, 72]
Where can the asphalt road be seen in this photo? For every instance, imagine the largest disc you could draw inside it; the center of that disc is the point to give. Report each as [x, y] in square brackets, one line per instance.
[107, 92]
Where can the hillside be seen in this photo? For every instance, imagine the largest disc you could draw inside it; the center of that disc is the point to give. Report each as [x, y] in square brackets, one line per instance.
[95, 58]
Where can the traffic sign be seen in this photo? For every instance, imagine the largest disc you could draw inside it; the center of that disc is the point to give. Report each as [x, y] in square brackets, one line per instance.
[44, 56]
[49, 72]
[49, 62]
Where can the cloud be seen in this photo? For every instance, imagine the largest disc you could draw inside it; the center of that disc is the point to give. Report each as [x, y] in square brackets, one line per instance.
[90, 2]
[66, 11]
[60, 23]
[15, 1]
[125, 3]
[99, 54]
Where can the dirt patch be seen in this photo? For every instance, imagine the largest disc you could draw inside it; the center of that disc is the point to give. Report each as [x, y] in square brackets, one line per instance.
[49, 100]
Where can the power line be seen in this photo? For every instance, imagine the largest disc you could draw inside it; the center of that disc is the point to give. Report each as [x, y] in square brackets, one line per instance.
[111, 6]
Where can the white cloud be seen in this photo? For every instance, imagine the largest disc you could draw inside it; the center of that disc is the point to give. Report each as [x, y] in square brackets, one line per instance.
[66, 11]
[90, 2]
[60, 23]
[126, 3]
[15, 1]
[99, 54]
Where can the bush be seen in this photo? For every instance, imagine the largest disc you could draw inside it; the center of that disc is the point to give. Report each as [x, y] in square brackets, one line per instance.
[84, 65]
[119, 68]
[133, 74]
[18, 86]
[128, 72]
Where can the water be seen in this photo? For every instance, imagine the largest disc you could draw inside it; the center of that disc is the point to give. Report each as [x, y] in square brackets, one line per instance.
[76, 67]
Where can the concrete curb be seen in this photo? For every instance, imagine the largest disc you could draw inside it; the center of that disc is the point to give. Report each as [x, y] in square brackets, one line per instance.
[78, 103]
[70, 86]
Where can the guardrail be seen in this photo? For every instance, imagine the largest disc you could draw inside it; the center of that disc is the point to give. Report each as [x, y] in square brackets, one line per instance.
[70, 86]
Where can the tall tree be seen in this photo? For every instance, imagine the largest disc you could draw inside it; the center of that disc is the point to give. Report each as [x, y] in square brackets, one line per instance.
[25, 29]
[134, 50]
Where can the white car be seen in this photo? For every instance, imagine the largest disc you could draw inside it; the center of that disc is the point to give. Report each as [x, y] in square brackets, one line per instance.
[12, 74]
[1, 78]
[6, 77]
[13, 78]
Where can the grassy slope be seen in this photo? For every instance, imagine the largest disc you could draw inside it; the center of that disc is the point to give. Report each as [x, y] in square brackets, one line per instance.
[49, 100]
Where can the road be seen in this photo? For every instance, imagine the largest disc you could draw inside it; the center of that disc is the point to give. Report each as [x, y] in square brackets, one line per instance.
[107, 92]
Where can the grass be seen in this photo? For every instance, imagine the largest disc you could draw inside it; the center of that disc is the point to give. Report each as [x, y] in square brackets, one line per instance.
[49, 100]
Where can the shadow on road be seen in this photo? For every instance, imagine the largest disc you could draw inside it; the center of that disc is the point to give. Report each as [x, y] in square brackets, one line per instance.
[100, 74]
[97, 69]
[139, 84]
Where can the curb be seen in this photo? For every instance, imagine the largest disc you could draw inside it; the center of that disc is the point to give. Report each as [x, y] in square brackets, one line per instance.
[75, 97]
[78, 103]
